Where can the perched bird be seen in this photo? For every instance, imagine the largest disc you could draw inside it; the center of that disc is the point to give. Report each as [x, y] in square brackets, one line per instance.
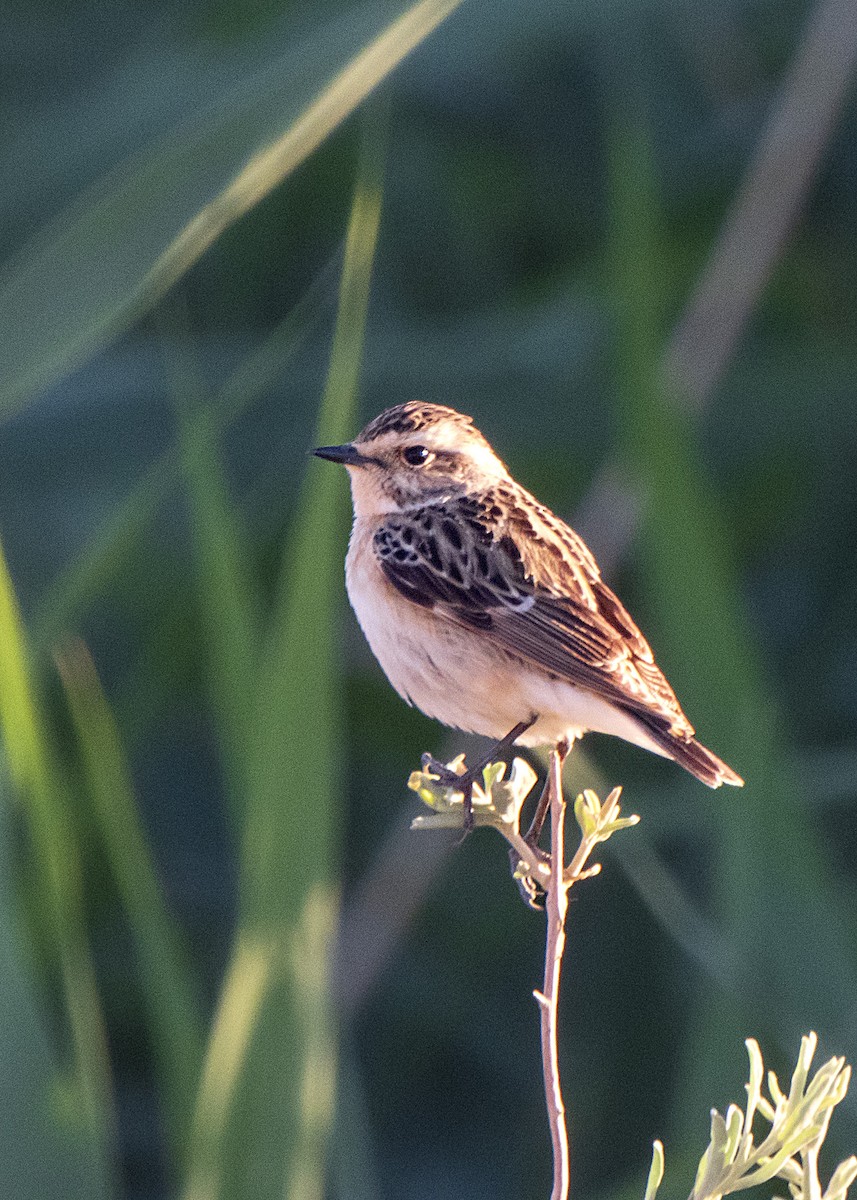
[484, 609]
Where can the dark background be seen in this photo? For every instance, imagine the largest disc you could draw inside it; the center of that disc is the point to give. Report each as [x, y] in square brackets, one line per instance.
[558, 180]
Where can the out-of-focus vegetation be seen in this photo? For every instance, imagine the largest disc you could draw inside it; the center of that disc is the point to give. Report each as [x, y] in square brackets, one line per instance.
[565, 212]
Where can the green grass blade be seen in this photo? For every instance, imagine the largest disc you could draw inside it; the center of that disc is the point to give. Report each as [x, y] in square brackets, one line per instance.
[37, 782]
[168, 989]
[84, 279]
[229, 611]
[299, 654]
[42, 1155]
[118, 537]
[775, 899]
[273, 1123]
[249, 976]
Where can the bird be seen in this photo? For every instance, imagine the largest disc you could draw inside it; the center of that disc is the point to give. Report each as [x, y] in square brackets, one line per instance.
[487, 611]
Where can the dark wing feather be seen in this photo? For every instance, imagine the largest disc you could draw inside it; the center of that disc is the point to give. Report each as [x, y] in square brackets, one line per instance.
[544, 603]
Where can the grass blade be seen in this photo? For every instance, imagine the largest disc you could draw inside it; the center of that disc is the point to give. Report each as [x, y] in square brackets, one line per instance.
[229, 611]
[83, 280]
[42, 1155]
[169, 992]
[117, 538]
[776, 902]
[37, 783]
[278, 1110]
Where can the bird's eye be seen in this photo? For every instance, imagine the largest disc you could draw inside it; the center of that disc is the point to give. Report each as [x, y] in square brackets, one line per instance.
[416, 456]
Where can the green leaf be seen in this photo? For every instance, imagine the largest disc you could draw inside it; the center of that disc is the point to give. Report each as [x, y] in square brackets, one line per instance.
[773, 1165]
[612, 827]
[754, 1087]
[718, 1134]
[656, 1171]
[492, 774]
[706, 1174]
[586, 813]
[797, 1088]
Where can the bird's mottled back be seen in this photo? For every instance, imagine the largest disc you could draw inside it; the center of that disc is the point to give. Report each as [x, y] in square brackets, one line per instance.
[413, 417]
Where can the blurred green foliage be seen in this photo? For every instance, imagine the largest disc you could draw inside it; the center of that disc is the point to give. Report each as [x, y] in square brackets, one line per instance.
[216, 766]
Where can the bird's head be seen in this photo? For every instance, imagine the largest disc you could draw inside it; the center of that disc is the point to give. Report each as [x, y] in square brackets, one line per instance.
[415, 454]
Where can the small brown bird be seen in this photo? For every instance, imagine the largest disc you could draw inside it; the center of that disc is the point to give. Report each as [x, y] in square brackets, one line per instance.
[484, 609]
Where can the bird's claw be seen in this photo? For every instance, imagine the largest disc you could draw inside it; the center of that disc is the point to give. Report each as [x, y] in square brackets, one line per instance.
[532, 890]
[445, 774]
[461, 782]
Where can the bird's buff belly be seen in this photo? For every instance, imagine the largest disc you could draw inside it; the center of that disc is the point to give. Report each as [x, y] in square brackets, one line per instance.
[455, 676]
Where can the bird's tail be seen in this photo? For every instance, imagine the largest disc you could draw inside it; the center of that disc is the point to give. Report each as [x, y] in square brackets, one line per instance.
[692, 755]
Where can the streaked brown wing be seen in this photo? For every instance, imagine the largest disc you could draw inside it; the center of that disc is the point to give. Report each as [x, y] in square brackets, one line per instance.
[551, 611]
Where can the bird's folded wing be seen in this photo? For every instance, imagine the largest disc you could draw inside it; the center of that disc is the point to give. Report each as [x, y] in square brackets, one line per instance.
[564, 621]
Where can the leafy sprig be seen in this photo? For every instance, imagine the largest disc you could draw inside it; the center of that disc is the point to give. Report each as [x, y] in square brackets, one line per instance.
[498, 802]
[788, 1150]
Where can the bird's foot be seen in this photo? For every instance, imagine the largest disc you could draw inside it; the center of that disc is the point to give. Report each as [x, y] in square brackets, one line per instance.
[531, 889]
[462, 782]
[446, 775]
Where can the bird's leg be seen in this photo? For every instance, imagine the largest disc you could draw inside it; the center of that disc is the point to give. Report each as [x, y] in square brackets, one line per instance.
[464, 783]
[531, 837]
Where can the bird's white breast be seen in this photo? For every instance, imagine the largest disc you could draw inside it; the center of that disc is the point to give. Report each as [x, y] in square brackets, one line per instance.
[457, 676]
[422, 656]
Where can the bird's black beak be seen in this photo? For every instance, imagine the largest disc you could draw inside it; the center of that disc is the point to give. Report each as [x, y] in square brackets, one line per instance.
[348, 455]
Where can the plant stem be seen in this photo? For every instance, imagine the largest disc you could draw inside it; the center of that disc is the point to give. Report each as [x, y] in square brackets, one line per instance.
[556, 904]
[809, 1162]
